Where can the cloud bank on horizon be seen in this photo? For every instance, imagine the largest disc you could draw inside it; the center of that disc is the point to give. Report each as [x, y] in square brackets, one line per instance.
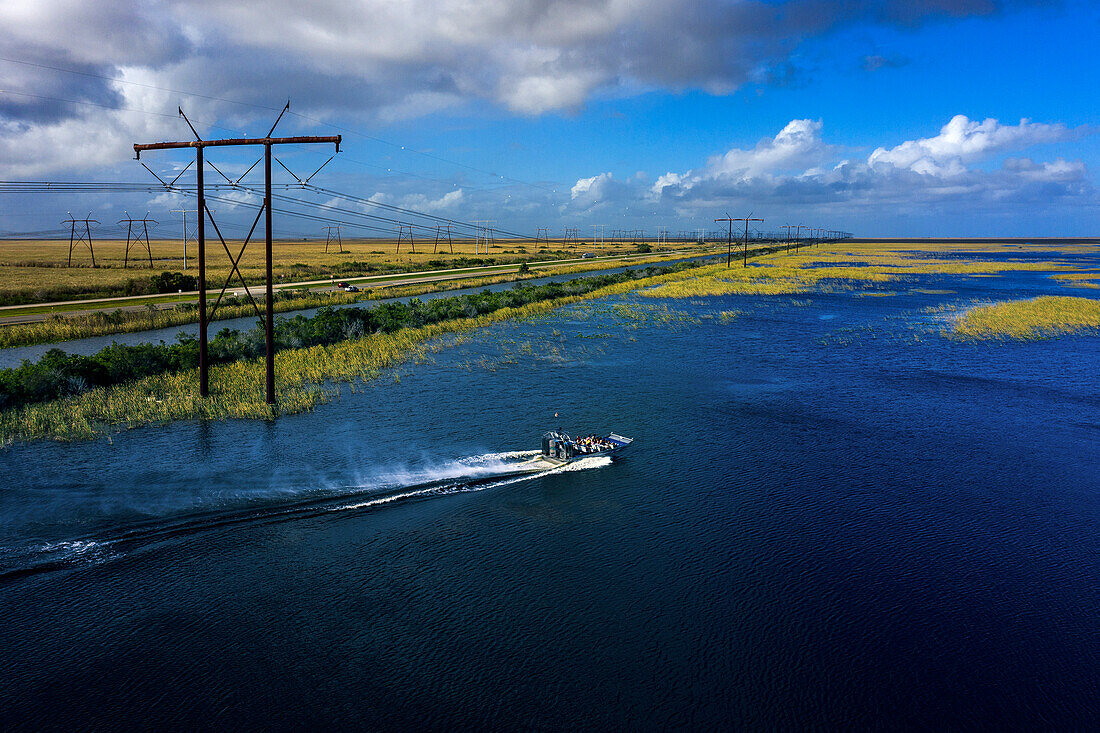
[797, 162]
[376, 61]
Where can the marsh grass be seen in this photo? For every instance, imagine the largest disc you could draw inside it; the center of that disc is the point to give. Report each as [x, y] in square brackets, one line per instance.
[1078, 279]
[782, 274]
[305, 378]
[1046, 316]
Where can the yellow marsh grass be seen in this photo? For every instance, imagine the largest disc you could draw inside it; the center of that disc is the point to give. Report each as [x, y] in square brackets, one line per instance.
[953, 247]
[1078, 279]
[1042, 317]
[713, 286]
[782, 274]
[236, 390]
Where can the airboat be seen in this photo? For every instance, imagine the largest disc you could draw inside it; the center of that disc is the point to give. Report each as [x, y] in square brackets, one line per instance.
[558, 449]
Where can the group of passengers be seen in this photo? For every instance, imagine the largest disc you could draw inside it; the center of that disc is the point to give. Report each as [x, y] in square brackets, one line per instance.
[591, 444]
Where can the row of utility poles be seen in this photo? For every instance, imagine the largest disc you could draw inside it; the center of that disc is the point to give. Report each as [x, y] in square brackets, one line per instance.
[814, 236]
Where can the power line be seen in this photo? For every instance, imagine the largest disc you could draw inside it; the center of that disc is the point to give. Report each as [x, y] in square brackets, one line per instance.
[188, 189]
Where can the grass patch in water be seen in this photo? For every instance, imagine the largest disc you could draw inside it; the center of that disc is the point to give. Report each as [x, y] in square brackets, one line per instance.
[781, 274]
[1046, 316]
[1077, 279]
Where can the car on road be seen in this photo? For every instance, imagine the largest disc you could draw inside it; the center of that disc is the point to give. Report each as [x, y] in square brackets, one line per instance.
[341, 285]
[588, 255]
[351, 289]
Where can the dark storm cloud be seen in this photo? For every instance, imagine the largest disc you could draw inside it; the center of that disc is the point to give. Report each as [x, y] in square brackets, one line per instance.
[347, 59]
[37, 94]
[529, 55]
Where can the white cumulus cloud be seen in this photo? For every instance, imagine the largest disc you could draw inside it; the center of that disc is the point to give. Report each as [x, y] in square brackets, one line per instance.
[962, 141]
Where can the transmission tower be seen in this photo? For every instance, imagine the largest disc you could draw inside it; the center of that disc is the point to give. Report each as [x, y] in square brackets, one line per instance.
[745, 242]
[572, 237]
[443, 230]
[136, 237]
[78, 235]
[484, 235]
[199, 146]
[186, 235]
[598, 234]
[405, 234]
[332, 234]
[542, 235]
[662, 236]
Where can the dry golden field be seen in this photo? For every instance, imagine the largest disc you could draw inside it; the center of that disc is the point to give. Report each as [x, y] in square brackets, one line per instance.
[37, 268]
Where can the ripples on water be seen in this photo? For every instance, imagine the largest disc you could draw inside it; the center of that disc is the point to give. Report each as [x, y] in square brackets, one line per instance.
[824, 522]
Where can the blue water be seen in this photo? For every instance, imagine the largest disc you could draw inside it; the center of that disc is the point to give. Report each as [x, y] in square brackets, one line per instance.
[832, 517]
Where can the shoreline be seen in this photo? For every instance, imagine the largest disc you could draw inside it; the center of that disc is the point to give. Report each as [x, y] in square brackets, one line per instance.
[136, 319]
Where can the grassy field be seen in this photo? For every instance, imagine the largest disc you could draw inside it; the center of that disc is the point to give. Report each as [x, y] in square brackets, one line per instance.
[100, 323]
[111, 320]
[36, 271]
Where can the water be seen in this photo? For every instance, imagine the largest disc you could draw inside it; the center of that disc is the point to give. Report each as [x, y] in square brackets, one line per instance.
[831, 517]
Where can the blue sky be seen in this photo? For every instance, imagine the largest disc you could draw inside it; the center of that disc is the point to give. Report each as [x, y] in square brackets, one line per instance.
[876, 117]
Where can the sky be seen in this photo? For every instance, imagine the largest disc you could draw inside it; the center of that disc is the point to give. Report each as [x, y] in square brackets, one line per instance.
[876, 117]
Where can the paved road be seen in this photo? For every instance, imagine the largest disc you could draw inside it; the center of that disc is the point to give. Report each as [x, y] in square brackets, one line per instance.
[370, 281]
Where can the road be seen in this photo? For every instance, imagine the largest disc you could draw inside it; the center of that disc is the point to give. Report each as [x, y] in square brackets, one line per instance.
[13, 316]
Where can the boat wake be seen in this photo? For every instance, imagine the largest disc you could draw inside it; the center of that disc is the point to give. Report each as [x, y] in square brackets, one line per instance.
[371, 489]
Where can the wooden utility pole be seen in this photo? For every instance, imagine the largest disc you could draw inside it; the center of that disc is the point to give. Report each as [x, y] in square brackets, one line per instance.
[200, 146]
[788, 227]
